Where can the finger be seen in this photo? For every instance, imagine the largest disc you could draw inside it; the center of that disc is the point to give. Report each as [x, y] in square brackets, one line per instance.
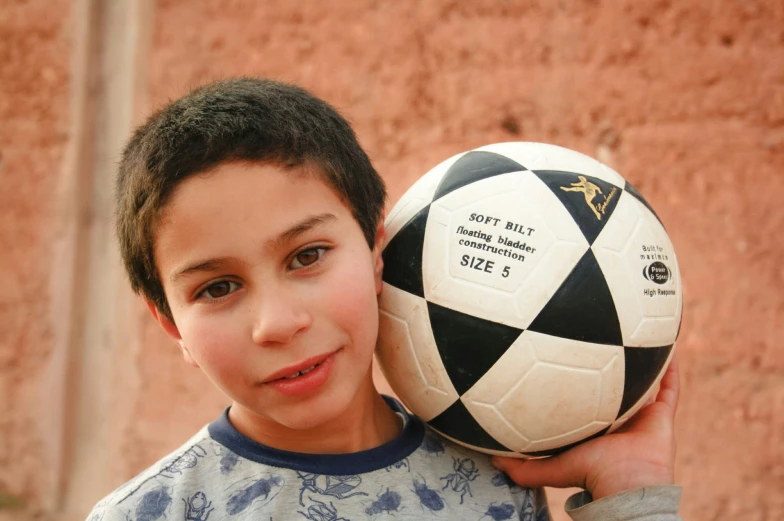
[670, 386]
[557, 471]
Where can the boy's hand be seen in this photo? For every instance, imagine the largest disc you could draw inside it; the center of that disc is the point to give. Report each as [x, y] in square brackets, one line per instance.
[639, 454]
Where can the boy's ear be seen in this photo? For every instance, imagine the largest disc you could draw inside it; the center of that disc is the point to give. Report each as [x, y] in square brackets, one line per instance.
[171, 329]
[378, 247]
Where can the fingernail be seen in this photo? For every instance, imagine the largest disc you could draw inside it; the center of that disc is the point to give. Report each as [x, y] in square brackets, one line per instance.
[497, 463]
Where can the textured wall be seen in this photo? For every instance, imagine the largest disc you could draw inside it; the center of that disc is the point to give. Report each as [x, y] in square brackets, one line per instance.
[35, 59]
[686, 99]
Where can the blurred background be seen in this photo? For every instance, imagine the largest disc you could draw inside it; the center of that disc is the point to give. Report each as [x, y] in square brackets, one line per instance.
[684, 98]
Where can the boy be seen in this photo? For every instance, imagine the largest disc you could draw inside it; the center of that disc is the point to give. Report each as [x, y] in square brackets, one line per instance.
[250, 220]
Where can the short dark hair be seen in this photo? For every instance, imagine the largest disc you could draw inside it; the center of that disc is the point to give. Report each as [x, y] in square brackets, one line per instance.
[239, 119]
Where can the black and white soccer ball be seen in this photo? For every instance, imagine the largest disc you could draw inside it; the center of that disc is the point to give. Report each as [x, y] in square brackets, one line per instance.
[531, 299]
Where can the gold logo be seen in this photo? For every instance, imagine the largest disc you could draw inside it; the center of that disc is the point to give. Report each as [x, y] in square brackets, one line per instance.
[591, 191]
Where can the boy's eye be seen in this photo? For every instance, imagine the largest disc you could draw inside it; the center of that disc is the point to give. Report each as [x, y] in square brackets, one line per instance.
[307, 257]
[218, 290]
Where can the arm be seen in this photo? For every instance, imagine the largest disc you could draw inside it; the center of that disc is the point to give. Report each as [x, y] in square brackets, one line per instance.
[629, 472]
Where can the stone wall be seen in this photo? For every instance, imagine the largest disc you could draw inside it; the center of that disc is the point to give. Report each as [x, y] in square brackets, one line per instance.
[686, 99]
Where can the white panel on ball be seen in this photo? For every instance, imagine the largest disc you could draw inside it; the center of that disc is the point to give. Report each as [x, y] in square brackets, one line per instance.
[632, 250]
[546, 392]
[406, 344]
[488, 255]
[417, 197]
[541, 156]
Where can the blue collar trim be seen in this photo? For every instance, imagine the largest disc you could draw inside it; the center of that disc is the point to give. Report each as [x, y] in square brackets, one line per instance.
[222, 431]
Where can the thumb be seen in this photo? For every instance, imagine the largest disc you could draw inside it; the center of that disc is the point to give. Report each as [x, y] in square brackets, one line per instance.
[555, 471]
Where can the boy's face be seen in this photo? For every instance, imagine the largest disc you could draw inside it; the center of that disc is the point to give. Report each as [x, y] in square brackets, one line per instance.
[268, 274]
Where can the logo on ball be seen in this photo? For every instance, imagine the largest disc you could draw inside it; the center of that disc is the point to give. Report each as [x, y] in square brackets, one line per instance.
[591, 191]
[657, 272]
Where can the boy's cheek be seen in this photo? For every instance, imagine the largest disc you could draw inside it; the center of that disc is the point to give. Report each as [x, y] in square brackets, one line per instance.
[227, 371]
[210, 342]
[353, 304]
[355, 293]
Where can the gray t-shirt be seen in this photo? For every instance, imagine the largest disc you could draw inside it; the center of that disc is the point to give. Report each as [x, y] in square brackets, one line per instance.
[220, 474]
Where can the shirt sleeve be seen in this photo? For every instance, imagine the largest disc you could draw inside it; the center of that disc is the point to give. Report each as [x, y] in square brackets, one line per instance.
[643, 504]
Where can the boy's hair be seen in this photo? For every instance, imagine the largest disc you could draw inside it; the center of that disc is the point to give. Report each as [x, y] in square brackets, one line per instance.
[241, 119]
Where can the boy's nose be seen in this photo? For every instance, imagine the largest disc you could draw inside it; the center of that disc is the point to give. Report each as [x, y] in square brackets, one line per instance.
[277, 323]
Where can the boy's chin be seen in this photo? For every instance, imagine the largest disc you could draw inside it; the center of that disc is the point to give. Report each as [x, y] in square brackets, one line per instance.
[319, 411]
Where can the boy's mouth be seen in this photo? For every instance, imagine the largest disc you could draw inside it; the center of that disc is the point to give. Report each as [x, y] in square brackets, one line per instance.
[300, 373]
[303, 378]
[298, 369]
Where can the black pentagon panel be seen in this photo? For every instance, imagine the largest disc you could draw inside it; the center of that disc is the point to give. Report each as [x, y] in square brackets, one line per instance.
[637, 195]
[558, 450]
[589, 200]
[582, 308]
[473, 167]
[458, 423]
[403, 256]
[643, 365]
[469, 346]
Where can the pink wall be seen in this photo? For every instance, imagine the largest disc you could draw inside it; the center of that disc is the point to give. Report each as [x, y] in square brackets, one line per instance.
[686, 99]
[35, 60]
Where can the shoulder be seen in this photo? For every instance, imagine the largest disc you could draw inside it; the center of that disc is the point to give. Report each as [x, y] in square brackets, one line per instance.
[446, 475]
[185, 474]
[438, 452]
[202, 479]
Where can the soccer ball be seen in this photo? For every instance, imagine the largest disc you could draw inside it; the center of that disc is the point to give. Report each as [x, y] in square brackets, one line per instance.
[531, 299]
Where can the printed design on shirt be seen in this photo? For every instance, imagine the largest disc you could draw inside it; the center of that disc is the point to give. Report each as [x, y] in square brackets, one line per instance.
[252, 492]
[500, 512]
[186, 460]
[543, 514]
[319, 511]
[385, 503]
[340, 487]
[501, 480]
[459, 481]
[432, 445]
[428, 498]
[527, 511]
[197, 507]
[153, 505]
[228, 460]
[402, 464]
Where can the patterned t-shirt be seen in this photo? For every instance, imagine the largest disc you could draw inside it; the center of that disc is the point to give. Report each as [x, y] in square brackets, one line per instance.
[220, 474]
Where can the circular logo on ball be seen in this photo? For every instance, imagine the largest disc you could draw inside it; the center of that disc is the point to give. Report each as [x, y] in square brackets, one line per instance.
[657, 272]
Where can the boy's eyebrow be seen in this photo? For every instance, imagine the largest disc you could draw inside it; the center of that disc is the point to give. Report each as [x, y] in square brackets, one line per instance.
[210, 265]
[280, 240]
[300, 228]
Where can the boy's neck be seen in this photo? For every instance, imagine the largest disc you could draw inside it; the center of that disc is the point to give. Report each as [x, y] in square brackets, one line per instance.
[367, 424]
